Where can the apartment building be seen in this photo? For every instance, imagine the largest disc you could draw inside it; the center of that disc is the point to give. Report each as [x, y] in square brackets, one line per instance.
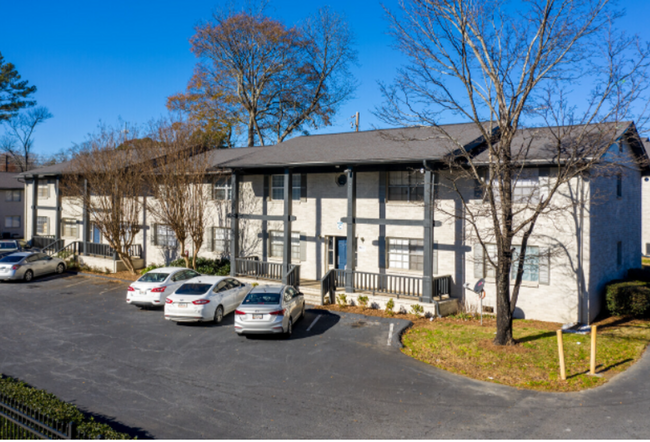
[372, 211]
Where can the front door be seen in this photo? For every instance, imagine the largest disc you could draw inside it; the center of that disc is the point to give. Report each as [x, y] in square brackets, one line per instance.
[341, 253]
[97, 235]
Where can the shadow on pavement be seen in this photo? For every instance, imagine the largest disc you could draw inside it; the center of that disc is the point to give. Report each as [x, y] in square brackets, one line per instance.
[326, 320]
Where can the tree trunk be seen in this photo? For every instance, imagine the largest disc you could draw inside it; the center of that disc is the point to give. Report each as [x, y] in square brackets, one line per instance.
[504, 315]
[126, 259]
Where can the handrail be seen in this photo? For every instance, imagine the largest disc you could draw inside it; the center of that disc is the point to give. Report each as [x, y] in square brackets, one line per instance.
[293, 276]
[52, 247]
[258, 269]
[328, 286]
[398, 285]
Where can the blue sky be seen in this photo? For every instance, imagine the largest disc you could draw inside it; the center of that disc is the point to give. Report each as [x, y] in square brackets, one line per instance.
[100, 61]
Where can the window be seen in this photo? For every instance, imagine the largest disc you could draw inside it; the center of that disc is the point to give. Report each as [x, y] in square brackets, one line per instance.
[13, 196]
[536, 263]
[70, 227]
[405, 254]
[619, 254]
[619, 186]
[43, 191]
[405, 186]
[276, 245]
[531, 264]
[277, 187]
[526, 187]
[222, 189]
[42, 225]
[164, 236]
[220, 239]
[12, 221]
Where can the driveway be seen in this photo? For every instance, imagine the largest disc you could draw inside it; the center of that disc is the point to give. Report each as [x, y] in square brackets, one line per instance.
[336, 378]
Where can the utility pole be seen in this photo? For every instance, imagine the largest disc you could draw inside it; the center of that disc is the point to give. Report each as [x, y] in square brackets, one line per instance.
[355, 124]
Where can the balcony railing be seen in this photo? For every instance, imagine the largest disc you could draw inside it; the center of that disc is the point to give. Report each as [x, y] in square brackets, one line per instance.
[397, 285]
[266, 270]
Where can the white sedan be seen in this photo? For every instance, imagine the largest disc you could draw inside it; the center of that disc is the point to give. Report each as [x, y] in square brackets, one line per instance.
[153, 287]
[205, 298]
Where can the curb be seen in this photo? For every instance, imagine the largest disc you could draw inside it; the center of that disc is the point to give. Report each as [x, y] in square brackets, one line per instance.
[92, 275]
[402, 327]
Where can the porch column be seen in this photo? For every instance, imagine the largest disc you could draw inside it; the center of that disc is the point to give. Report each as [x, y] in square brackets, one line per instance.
[85, 218]
[288, 202]
[351, 234]
[57, 208]
[427, 277]
[34, 205]
[234, 222]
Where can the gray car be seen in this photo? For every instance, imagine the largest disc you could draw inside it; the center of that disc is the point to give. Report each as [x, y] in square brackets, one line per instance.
[269, 309]
[27, 265]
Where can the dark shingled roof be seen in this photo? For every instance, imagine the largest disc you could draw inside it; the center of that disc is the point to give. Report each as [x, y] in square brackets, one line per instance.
[366, 147]
[539, 144]
[9, 180]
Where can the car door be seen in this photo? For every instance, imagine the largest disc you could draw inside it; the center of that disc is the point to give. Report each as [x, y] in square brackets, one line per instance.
[40, 265]
[177, 279]
[239, 292]
[290, 302]
[219, 295]
[49, 264]
[32, 263]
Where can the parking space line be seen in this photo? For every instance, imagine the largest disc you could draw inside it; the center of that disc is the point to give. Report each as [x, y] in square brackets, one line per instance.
[390, 333]
[313, 322]
[72, 285]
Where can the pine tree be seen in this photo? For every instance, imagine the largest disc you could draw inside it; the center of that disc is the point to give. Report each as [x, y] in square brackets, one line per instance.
[13, 92]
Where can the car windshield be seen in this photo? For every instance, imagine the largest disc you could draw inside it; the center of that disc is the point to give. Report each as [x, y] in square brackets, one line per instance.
[153, 277]
[262, 298]
[7, 245]
[193, 289]
[12, 258]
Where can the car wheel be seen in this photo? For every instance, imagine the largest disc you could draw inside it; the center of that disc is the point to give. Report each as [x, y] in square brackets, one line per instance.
[60, 268]
[287, 335]
[29, 275]
[218, 315]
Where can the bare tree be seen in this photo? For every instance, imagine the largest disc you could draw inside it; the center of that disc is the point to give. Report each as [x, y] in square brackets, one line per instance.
[502, 68]
[19, 140]
[179, 184]
[269, 79]
[116, 184]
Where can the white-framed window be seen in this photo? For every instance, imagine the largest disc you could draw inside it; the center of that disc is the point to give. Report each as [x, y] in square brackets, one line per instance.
[13, 196]
[276, 245]
[222, 189]
[70, 227]
[277, 187]
[11, 222]
[43, 191]
[405, 253]
[405, 186]
[42, 225]
[536, 263]
[526, 187]
[164, 236]
[220, 239]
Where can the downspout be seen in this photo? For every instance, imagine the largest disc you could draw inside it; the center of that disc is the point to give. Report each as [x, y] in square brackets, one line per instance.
[426, 166]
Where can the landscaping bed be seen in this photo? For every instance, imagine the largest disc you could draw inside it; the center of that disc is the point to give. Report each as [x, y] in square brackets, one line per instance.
[459, 344]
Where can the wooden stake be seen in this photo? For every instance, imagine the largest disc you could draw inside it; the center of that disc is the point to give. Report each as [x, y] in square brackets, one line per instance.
[593, 349]
[560, 350]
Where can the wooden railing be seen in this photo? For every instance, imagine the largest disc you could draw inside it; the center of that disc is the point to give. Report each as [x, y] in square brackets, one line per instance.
[41, 241]
[53, 247]
[258, 269]
[293, 277]
[398, 285]
[252, 268]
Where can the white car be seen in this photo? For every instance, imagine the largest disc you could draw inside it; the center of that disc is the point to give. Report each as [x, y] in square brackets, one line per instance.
[205, 298]
[153, 287]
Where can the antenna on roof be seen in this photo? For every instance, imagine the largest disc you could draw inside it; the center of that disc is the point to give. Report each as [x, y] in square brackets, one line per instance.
[355, 124]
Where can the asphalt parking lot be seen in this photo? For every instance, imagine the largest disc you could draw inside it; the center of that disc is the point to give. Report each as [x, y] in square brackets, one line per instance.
[337, 377]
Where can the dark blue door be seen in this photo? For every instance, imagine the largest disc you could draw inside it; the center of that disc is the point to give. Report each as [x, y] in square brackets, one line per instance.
[96, 235]
[341, 253]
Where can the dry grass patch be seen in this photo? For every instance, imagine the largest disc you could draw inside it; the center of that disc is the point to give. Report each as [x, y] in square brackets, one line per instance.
[465, 347]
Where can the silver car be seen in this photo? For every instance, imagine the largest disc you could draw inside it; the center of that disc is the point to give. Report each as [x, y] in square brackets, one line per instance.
[26, 265]
[270, 309]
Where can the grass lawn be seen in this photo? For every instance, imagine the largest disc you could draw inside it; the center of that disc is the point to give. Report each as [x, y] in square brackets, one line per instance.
[465, 347]
[645, 261]
[461, 345]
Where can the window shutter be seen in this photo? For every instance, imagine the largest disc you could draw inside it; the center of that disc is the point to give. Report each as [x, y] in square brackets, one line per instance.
[435, 257]
[154, 238]
[478, 261]
[303, 187]
[303, 246]
[545, 266]
[267, 193]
